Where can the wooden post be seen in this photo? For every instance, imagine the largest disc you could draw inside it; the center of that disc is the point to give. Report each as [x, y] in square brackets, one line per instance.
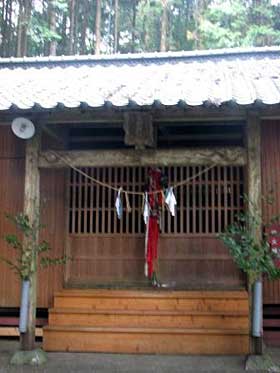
[254, 190]
[31, 209]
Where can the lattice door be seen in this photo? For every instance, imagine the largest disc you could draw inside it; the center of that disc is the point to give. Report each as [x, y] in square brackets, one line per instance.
[107, 249]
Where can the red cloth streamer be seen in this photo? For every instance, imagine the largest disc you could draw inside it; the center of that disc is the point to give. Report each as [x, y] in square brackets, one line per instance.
[152, 253]
[155, 202]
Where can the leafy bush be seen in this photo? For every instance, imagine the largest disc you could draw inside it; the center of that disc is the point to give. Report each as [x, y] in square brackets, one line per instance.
[32, 254]
[252, 256]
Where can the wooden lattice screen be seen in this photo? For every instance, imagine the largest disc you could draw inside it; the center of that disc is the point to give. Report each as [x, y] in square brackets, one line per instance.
[205, 205]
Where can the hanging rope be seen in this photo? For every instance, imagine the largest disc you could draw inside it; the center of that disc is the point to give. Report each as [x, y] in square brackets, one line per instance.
[127, 192]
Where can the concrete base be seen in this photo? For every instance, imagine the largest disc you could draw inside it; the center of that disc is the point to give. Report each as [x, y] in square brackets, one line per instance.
[35, 357]
[262, 363]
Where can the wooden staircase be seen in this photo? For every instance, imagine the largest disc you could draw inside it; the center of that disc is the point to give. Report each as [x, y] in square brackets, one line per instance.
[155, 321]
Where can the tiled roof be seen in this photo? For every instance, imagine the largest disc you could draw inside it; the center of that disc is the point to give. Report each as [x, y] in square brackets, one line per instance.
[193, 78]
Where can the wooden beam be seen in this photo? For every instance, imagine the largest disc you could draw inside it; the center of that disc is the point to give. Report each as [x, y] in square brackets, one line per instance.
[190, 114]
[254, 191]
[116, 115]
[161, 157]
[31, 209]
[113, 115]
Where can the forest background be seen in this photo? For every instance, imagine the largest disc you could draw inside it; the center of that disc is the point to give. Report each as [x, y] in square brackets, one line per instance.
[66, 27]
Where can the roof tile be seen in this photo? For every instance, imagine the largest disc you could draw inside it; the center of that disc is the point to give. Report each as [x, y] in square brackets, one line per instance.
[193, 78]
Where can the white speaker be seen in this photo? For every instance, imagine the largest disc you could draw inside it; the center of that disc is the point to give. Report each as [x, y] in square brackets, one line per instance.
[23, 128]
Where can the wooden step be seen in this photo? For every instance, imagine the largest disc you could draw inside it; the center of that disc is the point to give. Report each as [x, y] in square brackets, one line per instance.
[153, 300]
[158, 293]
[134, 318]
[146, 340]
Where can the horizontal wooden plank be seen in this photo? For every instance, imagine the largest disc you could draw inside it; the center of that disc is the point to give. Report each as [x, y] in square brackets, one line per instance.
[236, 313]
[153, 300]
[11, 321]
[129, 330]
[271, 310]
[161, 157]
[12, 331]
[272, 338]
[109, 259]
[164, 341]
[104, 293]
[151, 320]
[275, 323]
[152, 304]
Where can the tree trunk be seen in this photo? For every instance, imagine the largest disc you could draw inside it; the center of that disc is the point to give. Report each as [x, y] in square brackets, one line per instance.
[134, 10]
[72, 26]
[145, 33]
[10, 29]
[116, 27]
[77, 21]
[85, 11]
[197, 23]
[52, 23]
[27, 7]
[5, 27]
[64, 41]
[98, 27]
[19, 29]
[2, 27]
[164, 21]
[45, 14]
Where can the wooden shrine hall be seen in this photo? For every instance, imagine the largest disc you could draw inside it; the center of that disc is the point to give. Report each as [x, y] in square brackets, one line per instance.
[205, 126]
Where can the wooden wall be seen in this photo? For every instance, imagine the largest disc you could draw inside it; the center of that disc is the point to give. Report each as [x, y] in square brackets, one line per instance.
[271, 186]
[53, 189]
[184, 262]
[11, 201]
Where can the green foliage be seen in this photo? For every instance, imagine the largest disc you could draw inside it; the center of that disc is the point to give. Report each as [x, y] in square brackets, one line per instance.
[223, 25]
[237, 23]
[192, 24]
[252, 256]
[148, 25]
[30, 255]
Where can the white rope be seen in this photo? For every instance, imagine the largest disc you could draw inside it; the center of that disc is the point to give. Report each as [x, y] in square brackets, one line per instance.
[96, 181]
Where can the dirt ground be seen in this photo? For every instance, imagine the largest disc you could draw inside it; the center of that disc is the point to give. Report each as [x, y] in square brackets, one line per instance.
[116, 363]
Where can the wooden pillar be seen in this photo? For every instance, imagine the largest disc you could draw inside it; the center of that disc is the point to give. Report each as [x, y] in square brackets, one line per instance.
[31, 209]
[254, 191]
